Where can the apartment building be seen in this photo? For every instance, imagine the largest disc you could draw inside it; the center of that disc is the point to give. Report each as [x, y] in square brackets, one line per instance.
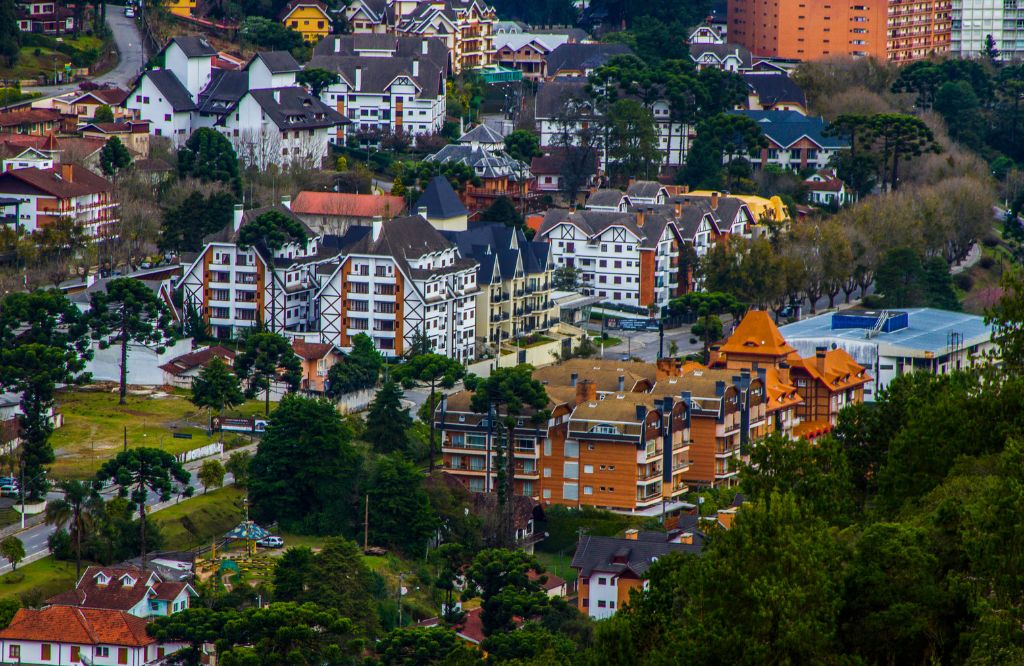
[895, 30]
[396, 280]
[388, 84]
[62, 192]
[795, 141]
[526, 52]
[514, 277]
[974, 21]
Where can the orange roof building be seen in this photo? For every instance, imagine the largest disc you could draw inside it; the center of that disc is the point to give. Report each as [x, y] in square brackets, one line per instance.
[756, 340]
[828, 381]
[335, 212]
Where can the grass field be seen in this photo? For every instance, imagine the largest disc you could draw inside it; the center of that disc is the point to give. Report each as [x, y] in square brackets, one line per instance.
[200, 520]
[94, 427]
[39, 580]
[40, 60]
[557, 564]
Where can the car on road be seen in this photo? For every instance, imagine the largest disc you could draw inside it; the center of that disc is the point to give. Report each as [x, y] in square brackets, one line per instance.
[129, 12]
[271, 542]
[9, 490]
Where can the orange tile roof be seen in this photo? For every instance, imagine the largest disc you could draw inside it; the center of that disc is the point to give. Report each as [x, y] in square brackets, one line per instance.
[839, 371]
[82, 626]
[812, 429]
[311, 351]
[757, 334]
[781, 394]
[348, 205]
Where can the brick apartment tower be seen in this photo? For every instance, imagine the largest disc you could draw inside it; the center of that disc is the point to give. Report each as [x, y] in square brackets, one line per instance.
[896, 30]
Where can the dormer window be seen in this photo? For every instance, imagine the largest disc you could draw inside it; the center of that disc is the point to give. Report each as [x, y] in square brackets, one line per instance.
[127, 581]
[102, 578]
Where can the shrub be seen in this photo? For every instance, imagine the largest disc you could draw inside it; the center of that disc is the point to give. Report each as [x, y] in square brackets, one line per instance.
[987, 262]
[60, 545]
[872, 301]
[693, 341]
[963, 281]
[714, 328]
[13, 578]
[990, 240]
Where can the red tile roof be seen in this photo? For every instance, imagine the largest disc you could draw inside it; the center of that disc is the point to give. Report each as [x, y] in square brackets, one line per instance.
[311, 351]
[182, 364]
[348, 205]
[108, 96]
[113, 595]
[80, 626]
[472, 628]
[64, 182]
[28, 116]
[757, 334]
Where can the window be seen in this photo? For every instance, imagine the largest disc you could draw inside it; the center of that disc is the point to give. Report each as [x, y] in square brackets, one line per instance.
[570, 491]
[14, 652]
[601, 603]
[588, 490]
[571, 470]
[602, 581]
[589, 469]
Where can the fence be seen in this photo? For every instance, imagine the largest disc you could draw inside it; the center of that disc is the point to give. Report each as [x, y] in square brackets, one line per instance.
[214, 449]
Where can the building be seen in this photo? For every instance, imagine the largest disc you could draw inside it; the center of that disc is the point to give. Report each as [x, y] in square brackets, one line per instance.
[895, 30]
[316, 359]
[580, 60]
[335, 212]
[442, 207]
[397, 280]
[388, 84]
[63, 192]
[526, 52]
[134, 134]
[131, 590]
[549, 169]
[824, 188]
[795, 141]
[309, 18]
[892, 343]
[67, 635]
[180, 371]
[726, 57]
[514, 277]
[34, 122]
[611, 568]
[49, 17]
[184, 8]
[774, 91]
[974, 21]
[79, 107]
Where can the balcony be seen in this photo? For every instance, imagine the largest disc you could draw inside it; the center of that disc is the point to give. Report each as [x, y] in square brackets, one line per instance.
[523, 472]
[648, 476]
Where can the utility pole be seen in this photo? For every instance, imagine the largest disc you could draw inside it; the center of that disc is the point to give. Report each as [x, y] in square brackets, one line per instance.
[126, 438]
[366, 524]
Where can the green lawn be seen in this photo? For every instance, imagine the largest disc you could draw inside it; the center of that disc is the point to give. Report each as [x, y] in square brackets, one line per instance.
[608, 342]
[39, 580]
[558, 565]
[202, 519]
[94, 427]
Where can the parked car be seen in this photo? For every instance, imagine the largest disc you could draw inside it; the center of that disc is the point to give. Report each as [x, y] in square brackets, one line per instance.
[271, 542]
[9, 490]
[129, 12]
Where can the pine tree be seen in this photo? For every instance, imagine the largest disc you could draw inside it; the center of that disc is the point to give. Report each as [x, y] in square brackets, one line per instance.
[387, 422]
[114, 157]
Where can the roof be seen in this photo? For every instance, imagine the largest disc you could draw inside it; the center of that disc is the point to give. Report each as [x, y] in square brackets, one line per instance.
[617, 556]
[172, 89]
[644, 189]
[295, 4]
[278, 62]
[196, 359]
[543, 43]
[193, 46]
[229, 234]
[28, 116]
[108, 96]
[403, 238]
[82, 626]
[553, 162]
[497, 246]
[787, 127]
[605, 198]
[440, 200]
[152, 165]
[225, 88]
[294, 107]
[403, 46]
[486, 163]
[594, 222]
[53, 181]
[471, 629]
[311, 351]
[553, 95]
[482, 134]
[836, 369]
[757, 334]
[348, 205]
[774, 88]
[377, 74]
[721, 52]
[582, 57]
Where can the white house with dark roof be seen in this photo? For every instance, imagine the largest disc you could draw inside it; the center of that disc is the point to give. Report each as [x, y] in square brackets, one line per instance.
[160, 98]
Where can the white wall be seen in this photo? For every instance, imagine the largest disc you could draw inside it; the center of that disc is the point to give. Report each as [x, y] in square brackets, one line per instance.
[143, 362]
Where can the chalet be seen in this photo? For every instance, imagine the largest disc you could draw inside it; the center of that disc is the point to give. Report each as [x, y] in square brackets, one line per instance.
[139, 593]
[180, 371]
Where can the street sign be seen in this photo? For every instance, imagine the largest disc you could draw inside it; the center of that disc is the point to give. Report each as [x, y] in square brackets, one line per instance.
[181, 435]
[633, 324]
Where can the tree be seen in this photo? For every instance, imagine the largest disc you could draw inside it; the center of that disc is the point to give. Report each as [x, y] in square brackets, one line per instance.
[387, 422]
[434, 369]
[305, 471]
[900, 278]
[128, 311]
[960, 107]
[103, 114]
[704, 305]
[269, 34]
[10, 33]
[567, 278]
[316, 79]
[268, 234]
[267, 358]
[503, 210]
[209, 156]
[141, 471]
[400, 513]
[501, 577]
[416, 646]
[8, 609]
[114, 157]
[509, 392]
[43, 343]
[577, 143]
[522, 145]
[902, 137]
[292, 574]
[989, 50]
[238, 467]
[195, 626]
[216, 388]
[721, 139]
[76, 509]
[342, 582]
[211, 474]
[185, 225]
[13, 550]
[358, 371]
[632, 139]
[1007, 320]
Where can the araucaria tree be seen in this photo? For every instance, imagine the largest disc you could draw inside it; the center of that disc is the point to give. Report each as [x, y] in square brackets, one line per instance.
[208, 155]
[265, 358]
[43, 343]
[216, 388]
[129, 311]
[141, 471]
[114, 157]
[435, 370]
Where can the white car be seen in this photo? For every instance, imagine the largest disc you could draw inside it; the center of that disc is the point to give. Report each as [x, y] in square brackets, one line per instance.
[129, 12]
[271, 542]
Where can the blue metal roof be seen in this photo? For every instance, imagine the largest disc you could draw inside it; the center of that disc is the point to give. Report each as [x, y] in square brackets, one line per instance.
[929, 330]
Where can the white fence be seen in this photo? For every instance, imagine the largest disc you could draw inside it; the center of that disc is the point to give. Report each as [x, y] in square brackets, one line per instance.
[214, 449]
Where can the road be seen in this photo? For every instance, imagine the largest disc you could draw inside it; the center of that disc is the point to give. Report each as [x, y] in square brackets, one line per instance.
[131, 59]
[35, 538]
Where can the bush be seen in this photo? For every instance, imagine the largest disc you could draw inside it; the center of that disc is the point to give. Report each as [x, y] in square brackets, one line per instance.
[714, 329]
[987, 262]
[235, 442]
[693, 341]
[872, 301]
[13, 578]
[963, 281]
[60, 545]
[990, 240]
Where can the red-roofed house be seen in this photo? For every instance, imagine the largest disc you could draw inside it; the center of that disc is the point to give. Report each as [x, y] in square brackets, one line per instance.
[64, 192]
[824, 188]
[179, 372]
[67, 635]
[142, 594]
[335, 212]
[134, 134]
[82, 105]
[38, 122]
[316, 358]
[471, 630]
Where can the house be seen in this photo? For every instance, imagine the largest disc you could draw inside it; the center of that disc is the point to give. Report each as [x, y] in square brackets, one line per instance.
[49, 17]
[134, 134]
[795, 141]
[514, 277]
[131, 590]
[580, 60]
[611, 568]
[720, 55]
[35, 122]
[465, 25]
[66, 191]
[309, 18]
[825, 188]
[335, 212]
[552, 585]
[70, 635]
[774, 91]
[180, 371]
[500, 175]
[81, 106]
[388, 84]
[441, 206]
[183, 8]
[10, 423]
[30, 157]
[828, 381]
[729, 214]
[526, 52]
[316, 359]
[550, 168]
[471, 629]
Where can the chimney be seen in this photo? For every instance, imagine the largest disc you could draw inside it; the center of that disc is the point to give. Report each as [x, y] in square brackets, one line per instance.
[337, 44]
[286, 201]
[422, 212]
[719, 388]
[424, 47]
[819, 358]
[640, 218]
[376, 225]
[622, 383]
[572, 379]
[632, 534]
[359, 79]
[641, 412]
[237, 220]
[415, 67]
[277, 96]
[67, 172]
[714, 201]
[586, 391]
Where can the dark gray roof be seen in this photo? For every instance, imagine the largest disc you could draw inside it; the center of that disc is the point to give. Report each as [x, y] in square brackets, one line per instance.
[552, 96]
[693, 210]
[644, 189]
[774, 87]
[721, 52]
[486, 164]
[495, 243]
[605, 198]
[223, 92]
[482, 134]
[194, 47]
[553, 162]
[440, 199]
[378, 73]
[616, 556]
[592, 222]
[278, 62]
[404, 46]
[171, 88]
[402, 239]
[728, 207]
[581, 57]
[296, 108]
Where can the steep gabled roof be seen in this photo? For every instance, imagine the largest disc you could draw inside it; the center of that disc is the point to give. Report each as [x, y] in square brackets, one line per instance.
[482, 134]
[84, 626]
[757, 334]
[172, 89]
[774, 87]
[721, 52]
[295, 108]
[53, 181]
[295, 4]
[552, 96]
[581, 57]
[200, 358]
[377, 74]
[617, 556]
[193, 47]
[278, 62]
[226, 87]
[348, 205]
[440, 200]
[605, 198]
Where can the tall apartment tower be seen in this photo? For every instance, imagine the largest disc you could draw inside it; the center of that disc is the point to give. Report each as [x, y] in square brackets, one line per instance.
[975, 20]
[896, 30]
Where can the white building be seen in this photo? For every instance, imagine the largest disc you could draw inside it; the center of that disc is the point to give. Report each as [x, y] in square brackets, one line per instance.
[974, 21]
[65, 192]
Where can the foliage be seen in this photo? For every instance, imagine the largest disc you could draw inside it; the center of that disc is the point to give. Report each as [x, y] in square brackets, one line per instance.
[503, 210]
[905, 282]
[12, 550]
[340, 581]
[305, 471]
[208, 155]
[269, 34]
[238, 466]
[77, 508]
[359, 370]
[114, 157]
[400, 513]
[216, 388]
[316, 79]
[267, 358]
[721, 140]
[523, 145]
[10, 33]
[387, 422]
[184, 226]
[8, 608]
[567, 278]
[501, 578]
[211, 474]
[632, 140]
[416, 646]
[103, 114]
